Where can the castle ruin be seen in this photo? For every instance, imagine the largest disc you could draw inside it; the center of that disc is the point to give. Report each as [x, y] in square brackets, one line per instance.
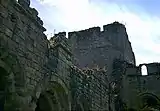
[91, 70]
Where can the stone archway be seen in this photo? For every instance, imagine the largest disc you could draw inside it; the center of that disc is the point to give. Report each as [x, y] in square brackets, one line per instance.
[11, 69]
[44, 102]
[55, 98]
[7, 100]
[150, 102]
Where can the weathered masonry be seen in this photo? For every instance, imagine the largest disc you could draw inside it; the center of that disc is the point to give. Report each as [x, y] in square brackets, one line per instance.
[91, 70]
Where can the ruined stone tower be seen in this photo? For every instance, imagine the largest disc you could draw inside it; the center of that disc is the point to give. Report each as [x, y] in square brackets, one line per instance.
[92, 47]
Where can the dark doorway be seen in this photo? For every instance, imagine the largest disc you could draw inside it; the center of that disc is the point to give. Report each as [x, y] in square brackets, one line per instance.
[150, 102]
[43, 104]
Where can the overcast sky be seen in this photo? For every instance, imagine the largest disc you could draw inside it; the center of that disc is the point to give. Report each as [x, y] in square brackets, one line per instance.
[142, 19]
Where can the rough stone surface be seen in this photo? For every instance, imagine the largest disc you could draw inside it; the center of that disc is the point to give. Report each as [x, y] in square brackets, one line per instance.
[91, 70]
[91, 47]
[134, 90]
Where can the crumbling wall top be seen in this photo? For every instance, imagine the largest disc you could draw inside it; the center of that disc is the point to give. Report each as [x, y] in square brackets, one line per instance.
[85, 33]
[24, 3]
[115, 25]
[59, 37]
[23, 6]
[90, 31]
[93, 32]
[61, 34]
[60, 40]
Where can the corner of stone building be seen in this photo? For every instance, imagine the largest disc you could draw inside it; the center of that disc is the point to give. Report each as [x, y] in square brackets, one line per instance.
[116, 33]
[61, 45]
[113, 26]
[60, 57]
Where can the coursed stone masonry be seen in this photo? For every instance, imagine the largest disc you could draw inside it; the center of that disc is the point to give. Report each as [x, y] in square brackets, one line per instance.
[90, 70]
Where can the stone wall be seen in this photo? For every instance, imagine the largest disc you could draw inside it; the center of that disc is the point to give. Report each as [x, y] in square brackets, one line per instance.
[135, 85]
[22, 38]
[91, 47]
[152, 68]
[99, 86]
[89, 89]
[39, 68]
[113, 40]
[80, 90]
[60, 64]
[41, 74]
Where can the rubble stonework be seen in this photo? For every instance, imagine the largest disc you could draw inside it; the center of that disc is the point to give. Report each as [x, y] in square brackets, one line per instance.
[92, 47]
[90, 70]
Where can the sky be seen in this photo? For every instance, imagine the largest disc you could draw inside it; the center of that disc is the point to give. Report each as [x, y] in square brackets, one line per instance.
[141, 18]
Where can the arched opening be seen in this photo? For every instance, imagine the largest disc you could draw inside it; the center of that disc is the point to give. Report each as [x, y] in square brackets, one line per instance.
[144, 70]
[3, 85]
[150, 102]
[54, 99]
[43, 104]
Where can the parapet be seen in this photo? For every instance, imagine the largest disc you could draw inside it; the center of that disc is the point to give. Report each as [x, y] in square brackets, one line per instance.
[24, 3]
[85, 33]
[94, 29]
[109, 33]
[97, 30]
[59, 38]
[23, 6]
[61, 34]
[114, 33]
[113, 26]
[70, 34]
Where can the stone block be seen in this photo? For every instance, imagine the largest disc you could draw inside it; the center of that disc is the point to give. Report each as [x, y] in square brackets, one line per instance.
[24, 3]
[30, 47]
[12, 45]
[8, 32]
[3, 12]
